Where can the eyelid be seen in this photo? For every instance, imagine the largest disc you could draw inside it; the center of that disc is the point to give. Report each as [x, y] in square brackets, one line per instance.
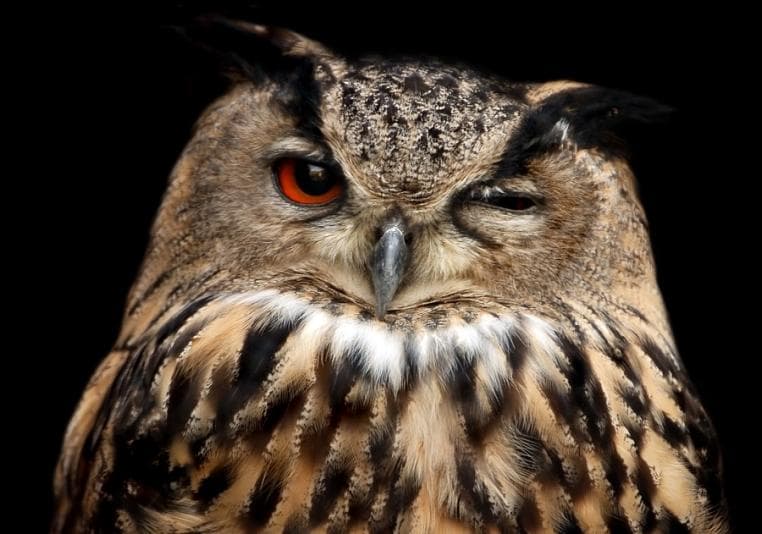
[495, 188]
[298, 147]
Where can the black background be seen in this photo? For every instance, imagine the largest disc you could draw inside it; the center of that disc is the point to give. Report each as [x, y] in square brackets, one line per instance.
[119, 92]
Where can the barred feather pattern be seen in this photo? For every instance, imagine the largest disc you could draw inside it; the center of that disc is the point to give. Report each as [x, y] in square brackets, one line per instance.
[269, 411]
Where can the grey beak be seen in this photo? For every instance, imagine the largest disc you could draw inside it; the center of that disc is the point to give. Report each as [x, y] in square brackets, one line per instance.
[388, 263]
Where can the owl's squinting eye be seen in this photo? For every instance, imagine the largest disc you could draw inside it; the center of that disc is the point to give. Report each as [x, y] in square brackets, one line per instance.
[511, 202]
[508, 200]
[307, 183]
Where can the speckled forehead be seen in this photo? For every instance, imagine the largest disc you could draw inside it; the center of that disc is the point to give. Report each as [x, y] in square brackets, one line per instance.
[411, 129]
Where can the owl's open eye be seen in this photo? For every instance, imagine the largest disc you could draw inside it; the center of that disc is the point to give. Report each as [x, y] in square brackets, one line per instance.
[304, 182]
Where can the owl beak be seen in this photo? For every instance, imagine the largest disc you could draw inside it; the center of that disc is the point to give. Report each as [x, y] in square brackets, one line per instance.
[388, 263]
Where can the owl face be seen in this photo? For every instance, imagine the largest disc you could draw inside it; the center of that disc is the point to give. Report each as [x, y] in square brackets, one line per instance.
[390, 184]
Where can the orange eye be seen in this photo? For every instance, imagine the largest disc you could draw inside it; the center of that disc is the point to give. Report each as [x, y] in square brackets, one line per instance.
[307, 183]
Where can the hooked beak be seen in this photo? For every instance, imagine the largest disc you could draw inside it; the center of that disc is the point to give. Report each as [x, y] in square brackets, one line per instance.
[388, 263]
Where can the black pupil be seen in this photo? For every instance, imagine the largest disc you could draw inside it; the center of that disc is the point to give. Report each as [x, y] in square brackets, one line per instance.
[313, 179]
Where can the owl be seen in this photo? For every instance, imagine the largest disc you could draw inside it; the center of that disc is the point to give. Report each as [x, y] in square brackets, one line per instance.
[394, 295]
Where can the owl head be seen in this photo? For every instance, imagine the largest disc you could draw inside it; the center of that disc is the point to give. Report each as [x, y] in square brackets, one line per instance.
[397, 185]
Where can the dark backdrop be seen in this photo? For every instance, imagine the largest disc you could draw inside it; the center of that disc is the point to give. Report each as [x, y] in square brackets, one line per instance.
[119, 93]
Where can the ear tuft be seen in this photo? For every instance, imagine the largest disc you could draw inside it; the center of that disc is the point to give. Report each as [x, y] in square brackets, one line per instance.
[598, 116]
[288, 42]
[244, 50]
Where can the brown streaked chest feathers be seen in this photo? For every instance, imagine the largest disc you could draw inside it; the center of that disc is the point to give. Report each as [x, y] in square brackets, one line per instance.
[262, 411]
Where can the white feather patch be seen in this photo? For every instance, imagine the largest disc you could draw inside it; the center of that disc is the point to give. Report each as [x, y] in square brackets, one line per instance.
[382, 350]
